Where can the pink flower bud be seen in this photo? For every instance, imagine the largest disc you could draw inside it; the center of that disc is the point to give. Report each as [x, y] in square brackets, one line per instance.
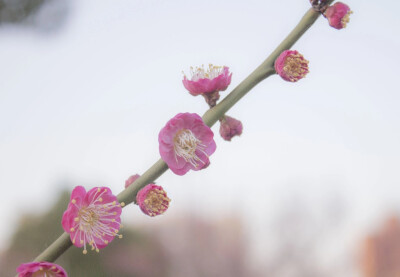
[338, 15]
[230, 127]
[131, 179]
[291, 66]
[152, 200]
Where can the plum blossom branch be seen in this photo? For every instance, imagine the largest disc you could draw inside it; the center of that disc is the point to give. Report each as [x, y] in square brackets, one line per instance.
[211, 116]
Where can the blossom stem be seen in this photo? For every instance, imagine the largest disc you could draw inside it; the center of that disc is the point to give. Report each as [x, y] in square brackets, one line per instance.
[56, 249]
[265, 70]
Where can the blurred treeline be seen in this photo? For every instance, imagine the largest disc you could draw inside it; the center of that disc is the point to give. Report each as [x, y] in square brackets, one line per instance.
[186, 247]
[190, 246]
[42, 15]
[133, 255]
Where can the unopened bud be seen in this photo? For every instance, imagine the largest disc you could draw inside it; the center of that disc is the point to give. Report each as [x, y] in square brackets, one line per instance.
[131, 179]
[291, 66]
[230, 127]
[338, 15]
[152, 200]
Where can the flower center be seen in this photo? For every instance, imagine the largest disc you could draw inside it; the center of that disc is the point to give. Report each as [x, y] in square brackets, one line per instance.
[200, 73]
[88, 218]
[346, 19]
[296, 66]
[185, 146]
[44, 273]
[156, 202]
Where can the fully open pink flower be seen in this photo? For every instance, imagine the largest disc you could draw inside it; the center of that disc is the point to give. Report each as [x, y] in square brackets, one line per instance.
[215, 78]
[41, 269]
[230, 127]
[186, 143]
[92, 217]
[152, 200]
[338, 15]
[291, 66]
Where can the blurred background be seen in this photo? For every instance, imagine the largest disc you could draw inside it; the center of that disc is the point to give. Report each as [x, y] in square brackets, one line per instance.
[311, 188]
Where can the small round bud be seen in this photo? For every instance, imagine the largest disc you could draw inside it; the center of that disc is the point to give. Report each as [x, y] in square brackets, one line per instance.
[230, 127]
[291, 66]
[131, 179]
[152, 200]
[338, 15]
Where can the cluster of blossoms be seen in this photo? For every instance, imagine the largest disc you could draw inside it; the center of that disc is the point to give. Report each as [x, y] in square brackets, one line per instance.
[185, 143]
[209, 83]
[290, 64]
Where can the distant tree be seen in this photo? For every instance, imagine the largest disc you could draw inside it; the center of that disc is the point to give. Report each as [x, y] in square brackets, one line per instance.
[205, 248]
[297, 237]
[44, 15]
[137, 254]
[179, 247]
[381, 251]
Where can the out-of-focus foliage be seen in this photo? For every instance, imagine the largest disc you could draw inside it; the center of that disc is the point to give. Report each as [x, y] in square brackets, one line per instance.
[43, 15]
[134, 255]
[190, 245]
[300, 235]
[185, 246]
[200, 247]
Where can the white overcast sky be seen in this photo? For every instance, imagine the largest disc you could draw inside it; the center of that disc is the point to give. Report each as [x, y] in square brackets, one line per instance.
[85, 105]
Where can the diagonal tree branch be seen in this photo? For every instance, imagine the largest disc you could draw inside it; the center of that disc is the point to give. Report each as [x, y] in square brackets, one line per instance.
[266, 69]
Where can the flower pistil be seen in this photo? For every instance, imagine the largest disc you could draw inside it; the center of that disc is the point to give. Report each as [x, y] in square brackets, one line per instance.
[185, 146]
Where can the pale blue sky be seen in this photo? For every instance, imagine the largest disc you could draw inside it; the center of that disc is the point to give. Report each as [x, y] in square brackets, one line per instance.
[86, 105]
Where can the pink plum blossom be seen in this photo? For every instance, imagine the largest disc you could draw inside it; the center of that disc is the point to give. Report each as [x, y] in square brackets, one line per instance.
[215, 78]
[92, 217]
[230, 127]
[291, 66]
[131, 179]
[186, 143]
[41, 269]
[338, 15]
[152, 200]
